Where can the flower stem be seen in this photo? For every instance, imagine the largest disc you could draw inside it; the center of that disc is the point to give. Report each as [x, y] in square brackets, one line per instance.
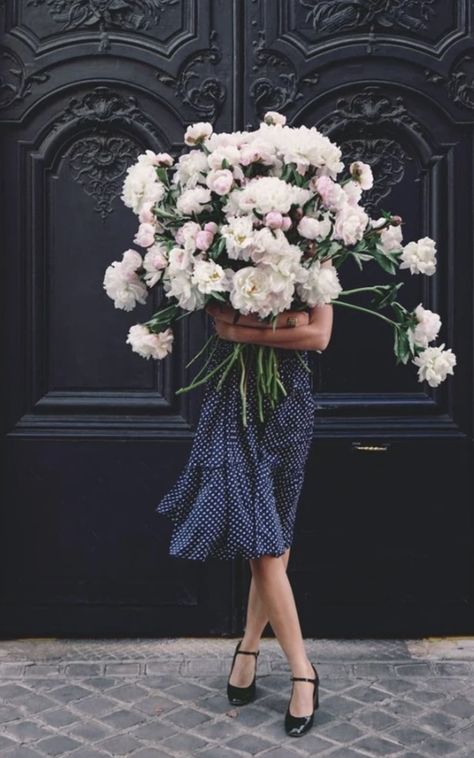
[366, 310]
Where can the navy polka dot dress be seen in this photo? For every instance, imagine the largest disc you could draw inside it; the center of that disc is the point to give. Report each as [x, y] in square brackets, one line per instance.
[238, 492]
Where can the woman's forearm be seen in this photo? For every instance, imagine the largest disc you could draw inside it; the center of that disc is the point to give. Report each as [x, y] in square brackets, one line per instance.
[293, 338]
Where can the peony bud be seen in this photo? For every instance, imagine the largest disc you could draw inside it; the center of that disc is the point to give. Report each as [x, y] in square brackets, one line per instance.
[274, 220]
[204, 240]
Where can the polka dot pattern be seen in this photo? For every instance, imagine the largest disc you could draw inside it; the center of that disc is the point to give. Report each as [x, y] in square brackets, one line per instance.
[238, 492]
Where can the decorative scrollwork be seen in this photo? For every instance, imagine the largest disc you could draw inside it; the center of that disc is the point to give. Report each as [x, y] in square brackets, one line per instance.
[280, 85]
[331, 16]
[134, 15]
[459, 83]
[104, 106]
[196, 85]
[99, 163]
[370, 107]
[99, 159]
[15, 81]
[366, 123]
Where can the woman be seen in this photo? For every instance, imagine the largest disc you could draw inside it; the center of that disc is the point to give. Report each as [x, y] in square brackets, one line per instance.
[210, 520]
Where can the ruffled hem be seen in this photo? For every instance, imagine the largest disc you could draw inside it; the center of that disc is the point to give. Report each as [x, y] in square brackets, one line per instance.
[203, 530]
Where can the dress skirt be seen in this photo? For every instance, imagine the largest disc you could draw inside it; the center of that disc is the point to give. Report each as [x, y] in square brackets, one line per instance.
[237, 495]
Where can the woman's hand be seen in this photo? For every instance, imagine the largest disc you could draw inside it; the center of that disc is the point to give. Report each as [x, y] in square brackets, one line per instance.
[226, 314]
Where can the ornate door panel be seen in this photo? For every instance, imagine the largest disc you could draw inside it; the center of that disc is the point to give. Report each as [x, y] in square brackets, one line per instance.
[93, 433]
[384, 539]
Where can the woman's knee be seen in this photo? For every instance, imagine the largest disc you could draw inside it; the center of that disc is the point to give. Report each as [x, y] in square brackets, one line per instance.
[265, 564]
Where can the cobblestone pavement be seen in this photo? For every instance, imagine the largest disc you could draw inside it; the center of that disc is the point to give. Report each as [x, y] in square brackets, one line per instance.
[155, 698]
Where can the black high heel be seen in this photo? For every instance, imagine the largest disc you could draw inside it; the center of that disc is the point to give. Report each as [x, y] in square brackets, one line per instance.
[295, 726]
[242, 695]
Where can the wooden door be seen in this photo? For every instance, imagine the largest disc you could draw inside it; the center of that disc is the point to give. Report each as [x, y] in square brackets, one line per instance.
[92, 435]
[385, 537]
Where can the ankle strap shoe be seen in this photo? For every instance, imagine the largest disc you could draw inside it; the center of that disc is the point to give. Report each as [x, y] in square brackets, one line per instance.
[296, 726]
[242, 695]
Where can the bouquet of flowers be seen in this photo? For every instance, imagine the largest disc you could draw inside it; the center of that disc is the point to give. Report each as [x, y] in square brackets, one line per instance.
[248, 218]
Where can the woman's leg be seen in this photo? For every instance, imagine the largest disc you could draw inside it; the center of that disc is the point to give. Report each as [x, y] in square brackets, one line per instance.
[256, 621]
[276, 594]
[273, 593]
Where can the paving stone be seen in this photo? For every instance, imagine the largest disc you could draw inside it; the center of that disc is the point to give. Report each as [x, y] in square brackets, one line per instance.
[59, 717]
[89, 752]
[439, 721]
[376, 719]
[123, 718]
[101, 682]
[155, 730]
[378, 745]
[154, 705]
[40, 670]
[121, 744]
[252, 717]
[57, 745]
[438, 746]
[26, 731]
[150, 752]
[22, 752]
[217, 752]
[128, 693]
[9, 713]
[89, 730]
[34, 702]
[281, 752]
[122, 669]
[409, 735]
[187, 691]
[460, 706]
[69, 693]
[221, 730]
[5, 742]
[184, 742]
[83, 669]
[249, 743]
[343, 732]
[96, 705]
[187, 718]
[10, 691]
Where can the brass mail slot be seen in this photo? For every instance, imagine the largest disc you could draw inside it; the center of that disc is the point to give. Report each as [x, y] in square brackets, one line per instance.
[367, 448]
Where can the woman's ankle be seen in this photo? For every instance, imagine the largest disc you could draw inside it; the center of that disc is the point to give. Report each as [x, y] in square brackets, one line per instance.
[250, 642]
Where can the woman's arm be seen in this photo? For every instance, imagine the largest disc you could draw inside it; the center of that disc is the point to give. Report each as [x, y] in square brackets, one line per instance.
[312, 336]
[225, 312]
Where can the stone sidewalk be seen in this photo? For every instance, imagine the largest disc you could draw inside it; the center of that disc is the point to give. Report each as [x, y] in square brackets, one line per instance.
[155, 698]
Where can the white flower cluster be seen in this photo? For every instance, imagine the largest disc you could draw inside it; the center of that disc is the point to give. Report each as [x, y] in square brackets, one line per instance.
[247, 217]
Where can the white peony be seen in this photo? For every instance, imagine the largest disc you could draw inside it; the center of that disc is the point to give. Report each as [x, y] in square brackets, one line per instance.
[332, 194]
[179, 285]
[191, 169]
[274, 119]
[419, 257]
[186, 235]
[319, 285]
[362, 173]
[154, 262]
[274, 250]
[193, 200]
[180, 259]
[141, 186]
[266, 194]
[229, 153]
[209, 276]
[250, 290]
[312, 228]
[434, 364]
[353, 191]
[220, 181]
[238, 234]
[427, 328]
[148, 344]
[197, 133]
[350, 224]
[122, 283]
